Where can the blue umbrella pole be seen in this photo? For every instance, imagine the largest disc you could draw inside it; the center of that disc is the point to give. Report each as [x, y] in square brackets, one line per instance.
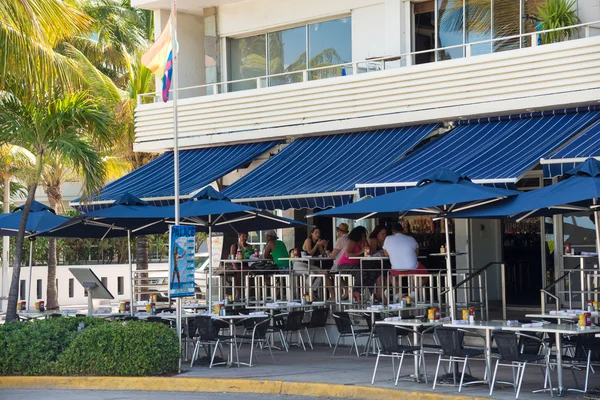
[449, 272]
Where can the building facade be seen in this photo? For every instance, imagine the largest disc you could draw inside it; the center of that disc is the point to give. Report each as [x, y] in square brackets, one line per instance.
[289, 105]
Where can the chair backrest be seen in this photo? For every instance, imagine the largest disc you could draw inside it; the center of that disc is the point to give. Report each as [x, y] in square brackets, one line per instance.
[450, 340]
[294, 321]
[130, 318]
[154, 319]
[528, 345]
[318, 318]
[342, 322]
[388, 338]
[508, 345]
[261, 326]
[206, 327]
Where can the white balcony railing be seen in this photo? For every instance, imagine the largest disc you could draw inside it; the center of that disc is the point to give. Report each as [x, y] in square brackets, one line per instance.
[585, 30]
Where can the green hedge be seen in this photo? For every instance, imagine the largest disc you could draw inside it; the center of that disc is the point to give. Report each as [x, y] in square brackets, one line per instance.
[55, 347]
[136, 349]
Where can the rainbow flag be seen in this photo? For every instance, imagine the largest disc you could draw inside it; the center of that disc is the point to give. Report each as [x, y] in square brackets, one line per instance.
[159, 59]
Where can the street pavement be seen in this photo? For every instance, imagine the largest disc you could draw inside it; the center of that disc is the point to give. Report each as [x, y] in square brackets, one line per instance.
[129, 395]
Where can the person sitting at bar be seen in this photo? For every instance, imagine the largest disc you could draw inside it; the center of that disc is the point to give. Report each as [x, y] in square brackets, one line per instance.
[275, 250]
[403, 251]
[357, 241]
[246, 250]
[314, 246]
[241, 245]
[340, 244]
[375, 270]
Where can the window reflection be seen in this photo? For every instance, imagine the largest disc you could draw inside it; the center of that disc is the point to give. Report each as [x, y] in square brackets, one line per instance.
[280, 52]
[507, 22]
[450, 28]
[287, 52]
[247, 59]
[329, 43]
[479, 25]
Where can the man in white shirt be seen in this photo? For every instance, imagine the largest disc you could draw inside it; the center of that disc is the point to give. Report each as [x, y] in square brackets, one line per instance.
[402, 250]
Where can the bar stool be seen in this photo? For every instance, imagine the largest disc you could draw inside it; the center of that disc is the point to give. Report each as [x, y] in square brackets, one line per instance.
[299, 286]
[337, 283]
[256, 284]
[281, 283]
[312, 287]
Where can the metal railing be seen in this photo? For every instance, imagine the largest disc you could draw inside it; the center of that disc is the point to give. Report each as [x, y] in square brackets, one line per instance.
[588, 286]
[481, 274]
[371, 65]
[545, 292]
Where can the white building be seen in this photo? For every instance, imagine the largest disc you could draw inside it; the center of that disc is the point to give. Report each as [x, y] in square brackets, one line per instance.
[340, 98]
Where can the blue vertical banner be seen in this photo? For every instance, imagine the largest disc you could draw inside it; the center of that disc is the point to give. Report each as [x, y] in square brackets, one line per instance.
[181, 261]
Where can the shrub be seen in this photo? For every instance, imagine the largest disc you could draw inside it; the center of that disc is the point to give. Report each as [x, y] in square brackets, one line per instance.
[55, 347]
[30, 348]
[116, 349]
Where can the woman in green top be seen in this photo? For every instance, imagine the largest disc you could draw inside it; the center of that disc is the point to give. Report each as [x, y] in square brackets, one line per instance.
[276, 250]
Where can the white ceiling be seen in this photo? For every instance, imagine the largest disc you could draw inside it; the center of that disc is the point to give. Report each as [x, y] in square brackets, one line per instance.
[187, 6]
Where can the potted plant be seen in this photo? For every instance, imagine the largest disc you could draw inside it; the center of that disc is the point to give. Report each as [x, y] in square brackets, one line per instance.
[554, 14]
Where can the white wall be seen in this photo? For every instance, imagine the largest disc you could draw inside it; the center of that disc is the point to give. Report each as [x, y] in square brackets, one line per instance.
[588, 10]
[190, 36]
[368, 32]
[262, 15]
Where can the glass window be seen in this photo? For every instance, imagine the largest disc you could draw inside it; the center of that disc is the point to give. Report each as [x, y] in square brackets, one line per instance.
[287, 52]
[450, 28]
[22, 289]
[120, 285]
[39, 289]
[329, 43]
[247, 59]
[479, 25]
[507, 22]
[71, 287]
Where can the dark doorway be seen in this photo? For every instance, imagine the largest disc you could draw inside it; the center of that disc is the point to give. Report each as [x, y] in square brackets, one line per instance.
[523, 261]
[424, 31]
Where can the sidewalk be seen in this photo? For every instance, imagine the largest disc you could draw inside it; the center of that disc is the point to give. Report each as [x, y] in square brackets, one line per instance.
[310, 373]
[319, 366]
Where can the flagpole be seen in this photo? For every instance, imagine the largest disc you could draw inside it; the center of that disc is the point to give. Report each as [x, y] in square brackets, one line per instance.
[175, 94]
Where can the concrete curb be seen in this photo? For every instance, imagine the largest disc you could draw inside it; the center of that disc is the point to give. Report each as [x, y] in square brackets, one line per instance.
[213, 385]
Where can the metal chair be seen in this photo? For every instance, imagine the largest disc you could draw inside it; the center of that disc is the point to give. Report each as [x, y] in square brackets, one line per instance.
[388, 336]
[293, 324]
[587, 354]
[258, 337]
[318, 319]
[347, 329]
[208, 334]
[451, 343]
[510, 352]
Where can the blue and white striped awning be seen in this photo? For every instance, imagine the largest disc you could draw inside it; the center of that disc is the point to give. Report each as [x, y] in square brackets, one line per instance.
[584, 146]
[321, 172]
[154, 182]
[494, 151]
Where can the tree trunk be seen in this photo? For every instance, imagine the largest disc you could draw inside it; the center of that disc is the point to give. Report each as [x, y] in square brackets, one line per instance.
[141, 260]
[55, 198]
[13, 294]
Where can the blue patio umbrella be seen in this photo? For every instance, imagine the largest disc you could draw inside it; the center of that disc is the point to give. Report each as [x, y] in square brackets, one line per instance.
[127, 216]
[437, 195]
[40, 218]
[578, 191]
[211, 211]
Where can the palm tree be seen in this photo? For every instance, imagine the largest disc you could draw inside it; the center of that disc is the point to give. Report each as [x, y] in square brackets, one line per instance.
[71, 126]
[117, 31]
[29, 32]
